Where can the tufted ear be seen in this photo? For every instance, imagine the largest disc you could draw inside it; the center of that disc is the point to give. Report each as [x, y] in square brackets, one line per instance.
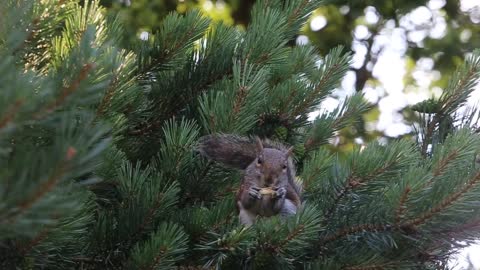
[259, 145]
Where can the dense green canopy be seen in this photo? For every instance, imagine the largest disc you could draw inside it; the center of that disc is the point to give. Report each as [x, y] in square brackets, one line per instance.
[98, 168]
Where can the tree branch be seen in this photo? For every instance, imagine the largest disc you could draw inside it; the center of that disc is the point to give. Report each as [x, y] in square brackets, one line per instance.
[67, 91]
[400, 212]
[425, 217]
[10, 114]
[46, 187]
[408, 226]
[353, 182]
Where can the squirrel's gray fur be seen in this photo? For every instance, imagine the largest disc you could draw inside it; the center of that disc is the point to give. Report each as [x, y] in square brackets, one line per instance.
[243, 153]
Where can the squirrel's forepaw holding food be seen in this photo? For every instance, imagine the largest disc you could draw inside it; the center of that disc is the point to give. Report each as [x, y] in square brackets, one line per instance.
[280, 192]
[254, 192]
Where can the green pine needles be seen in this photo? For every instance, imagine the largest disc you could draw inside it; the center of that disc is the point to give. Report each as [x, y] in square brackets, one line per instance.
[98, 168]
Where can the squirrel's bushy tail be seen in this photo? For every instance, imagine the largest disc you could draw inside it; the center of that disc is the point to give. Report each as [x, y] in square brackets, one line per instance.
[230, 150]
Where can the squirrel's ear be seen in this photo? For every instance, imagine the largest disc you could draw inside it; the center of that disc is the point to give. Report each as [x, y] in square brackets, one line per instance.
[289, 152]
[258, 144]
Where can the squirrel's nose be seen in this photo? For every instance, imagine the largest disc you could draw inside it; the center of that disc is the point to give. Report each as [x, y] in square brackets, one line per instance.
[270, 180]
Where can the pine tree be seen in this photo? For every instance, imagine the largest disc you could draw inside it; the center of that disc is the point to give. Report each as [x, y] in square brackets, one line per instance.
[98, 168]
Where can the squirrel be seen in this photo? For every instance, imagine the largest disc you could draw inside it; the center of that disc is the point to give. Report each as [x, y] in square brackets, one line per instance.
[268, 183]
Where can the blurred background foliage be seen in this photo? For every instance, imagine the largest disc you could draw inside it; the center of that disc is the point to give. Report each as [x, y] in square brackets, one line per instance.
[431, 37]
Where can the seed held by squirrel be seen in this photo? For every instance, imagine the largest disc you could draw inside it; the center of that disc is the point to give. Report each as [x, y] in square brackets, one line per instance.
[268, 185]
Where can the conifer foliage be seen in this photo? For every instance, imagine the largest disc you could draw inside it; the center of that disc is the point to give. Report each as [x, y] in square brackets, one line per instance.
[98, 168]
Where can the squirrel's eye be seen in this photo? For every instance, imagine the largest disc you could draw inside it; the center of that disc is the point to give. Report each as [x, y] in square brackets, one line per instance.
[259, 161]
[284, 166]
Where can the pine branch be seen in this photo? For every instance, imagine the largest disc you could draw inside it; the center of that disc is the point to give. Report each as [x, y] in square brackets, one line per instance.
[339, 196]
[443, 205]
[353, 182]
[26, 248]
[67, 91]
[239, 101]
[315, 167]
[166, 54]
[375, 266]
[359, 228]
[190, 27]
[456, 93]
[214, 225]
[151, 126]
[461, 230]
[327, 124]
[292, 235]
[400, 212]
[87, 260]
[32, 31]
[297, 17]
[295, 14]
[442, 166]
[107, 97]
[440, 169]
[407, 226]
[157, 259]
[162, 250]
[334, 67]
[196, 267]
[47, 23]
[429, 134]
[10, 113]
[310, 99]
[43, 189]
[148, 219]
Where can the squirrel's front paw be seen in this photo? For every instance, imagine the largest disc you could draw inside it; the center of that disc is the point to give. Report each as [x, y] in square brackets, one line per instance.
[254, 192]
[280, 192]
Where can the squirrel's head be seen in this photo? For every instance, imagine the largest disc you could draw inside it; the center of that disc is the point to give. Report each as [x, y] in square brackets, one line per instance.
[272, 164]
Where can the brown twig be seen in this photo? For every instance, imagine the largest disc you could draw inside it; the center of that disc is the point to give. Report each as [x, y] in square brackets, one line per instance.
[400, 212]
[240, 99]
[107, 97]
[444, 162]
[357, 229]
[440, 168]
[67, 91]
[296, 12]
